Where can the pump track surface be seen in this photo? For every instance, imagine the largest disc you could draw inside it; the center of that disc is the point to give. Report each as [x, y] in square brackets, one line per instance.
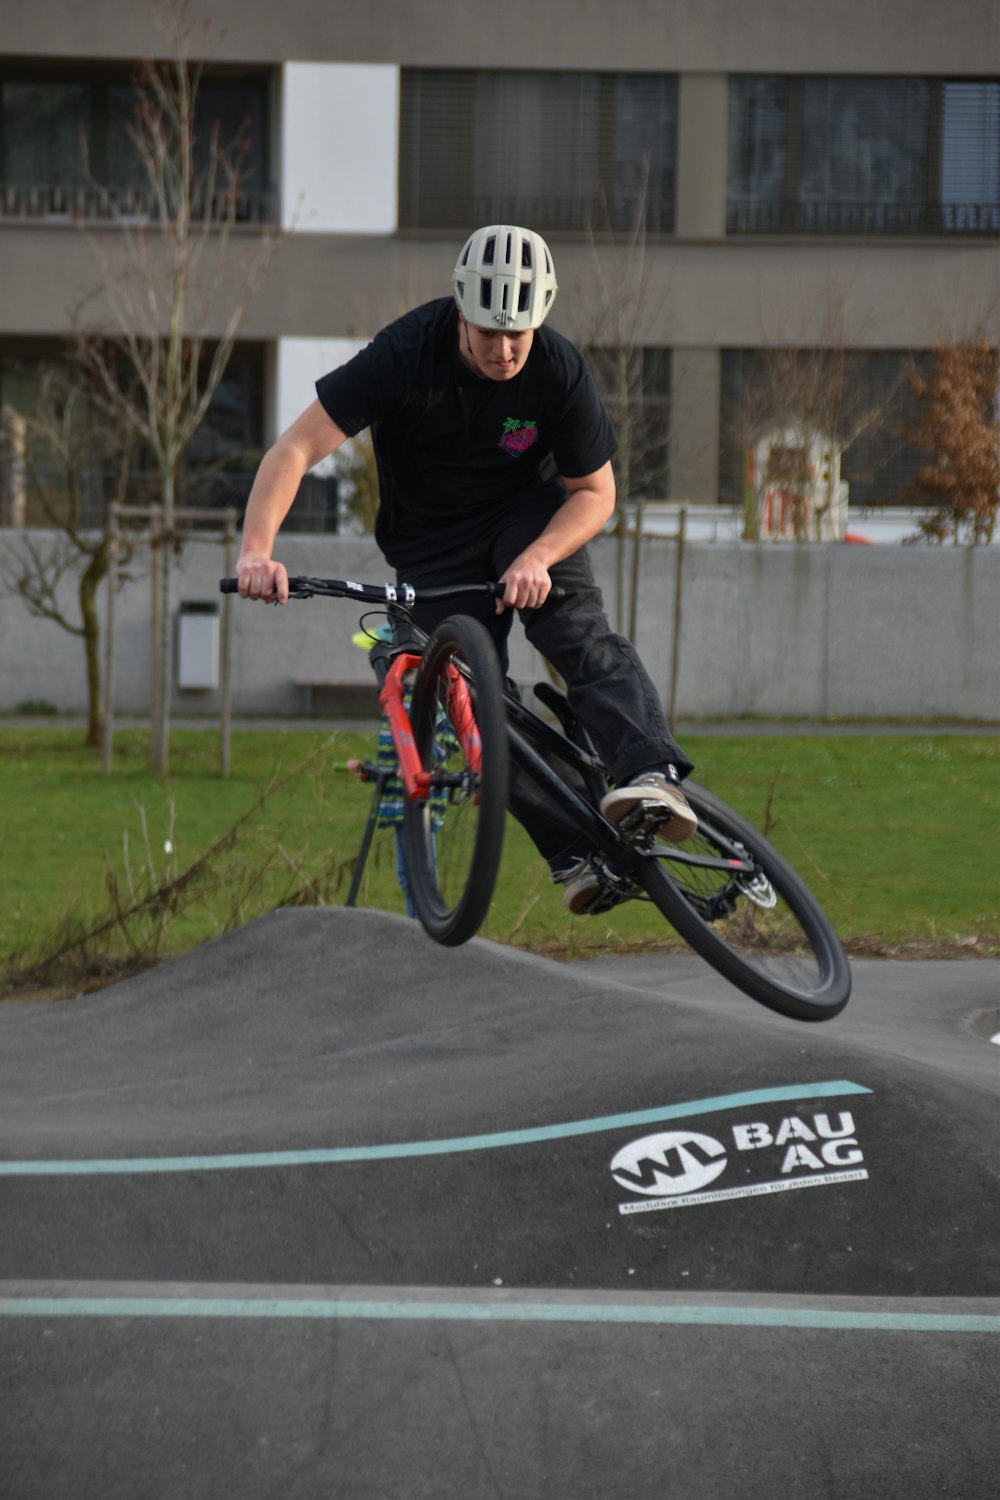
[321, 1209]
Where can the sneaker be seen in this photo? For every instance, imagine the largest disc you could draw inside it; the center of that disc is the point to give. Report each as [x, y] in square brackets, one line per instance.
[586, 895]
[653, 802]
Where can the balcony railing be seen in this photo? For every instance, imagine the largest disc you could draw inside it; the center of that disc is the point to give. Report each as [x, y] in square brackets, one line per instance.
[762, 216]
[71, 202]
[431, 209]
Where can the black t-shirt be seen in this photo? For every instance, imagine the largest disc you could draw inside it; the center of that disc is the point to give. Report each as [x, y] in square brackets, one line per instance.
[456, 453]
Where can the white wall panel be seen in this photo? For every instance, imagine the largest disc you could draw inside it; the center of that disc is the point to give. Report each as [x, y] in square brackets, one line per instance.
[301, 362]
[340, 148]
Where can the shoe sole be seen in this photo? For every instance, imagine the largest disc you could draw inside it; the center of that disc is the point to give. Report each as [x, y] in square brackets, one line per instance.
[594, 900]
[596, 904]
[649, 814]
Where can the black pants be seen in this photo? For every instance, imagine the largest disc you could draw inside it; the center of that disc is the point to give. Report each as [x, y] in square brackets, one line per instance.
[607, 685]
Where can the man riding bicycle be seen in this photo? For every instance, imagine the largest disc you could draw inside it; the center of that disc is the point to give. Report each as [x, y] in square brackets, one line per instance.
[494, 459]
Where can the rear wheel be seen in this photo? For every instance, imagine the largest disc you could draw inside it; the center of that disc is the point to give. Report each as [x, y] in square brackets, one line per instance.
[454, 838]
[745, 911]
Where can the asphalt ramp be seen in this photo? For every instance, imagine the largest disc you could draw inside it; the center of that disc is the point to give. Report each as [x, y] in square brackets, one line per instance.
[324, 1209]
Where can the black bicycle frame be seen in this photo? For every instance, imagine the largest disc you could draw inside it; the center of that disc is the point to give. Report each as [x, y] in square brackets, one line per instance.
[602, 834]
[583, 814]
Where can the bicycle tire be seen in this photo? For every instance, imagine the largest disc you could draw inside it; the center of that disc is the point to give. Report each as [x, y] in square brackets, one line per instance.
[785, 955]
[454, 838]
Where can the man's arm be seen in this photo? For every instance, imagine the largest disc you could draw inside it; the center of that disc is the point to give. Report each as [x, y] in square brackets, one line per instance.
[589, 505]
[311, 437]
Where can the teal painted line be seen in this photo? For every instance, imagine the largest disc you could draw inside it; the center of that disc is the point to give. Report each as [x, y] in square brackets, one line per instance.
[857, 1321]
[401, 1150]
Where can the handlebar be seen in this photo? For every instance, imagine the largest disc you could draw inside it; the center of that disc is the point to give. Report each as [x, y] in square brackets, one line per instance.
[381, 593]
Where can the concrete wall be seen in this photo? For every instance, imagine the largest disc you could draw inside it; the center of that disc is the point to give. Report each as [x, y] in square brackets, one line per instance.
[687, 35]
[768, 631]
[700, 294]
[826, 630]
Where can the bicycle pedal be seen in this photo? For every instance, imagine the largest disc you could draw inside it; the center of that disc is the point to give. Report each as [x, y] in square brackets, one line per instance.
[645, 817]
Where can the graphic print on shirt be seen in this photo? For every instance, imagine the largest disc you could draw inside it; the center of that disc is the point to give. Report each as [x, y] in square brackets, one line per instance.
[518, 436]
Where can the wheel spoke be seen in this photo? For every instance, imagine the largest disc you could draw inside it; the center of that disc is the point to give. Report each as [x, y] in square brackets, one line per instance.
[736, 901]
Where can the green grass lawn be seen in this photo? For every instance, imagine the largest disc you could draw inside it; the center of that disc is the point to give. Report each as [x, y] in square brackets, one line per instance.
[893, 834]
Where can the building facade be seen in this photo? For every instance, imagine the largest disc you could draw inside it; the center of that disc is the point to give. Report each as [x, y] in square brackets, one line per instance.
[751, 208]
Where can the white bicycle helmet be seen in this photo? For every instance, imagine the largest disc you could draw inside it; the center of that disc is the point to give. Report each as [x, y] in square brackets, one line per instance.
[505, 279]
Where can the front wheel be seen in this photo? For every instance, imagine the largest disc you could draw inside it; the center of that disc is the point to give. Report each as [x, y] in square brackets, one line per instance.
[454, 837]
[745, 911]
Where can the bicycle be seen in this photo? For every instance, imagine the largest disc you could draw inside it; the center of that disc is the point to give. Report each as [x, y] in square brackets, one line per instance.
[727, 892]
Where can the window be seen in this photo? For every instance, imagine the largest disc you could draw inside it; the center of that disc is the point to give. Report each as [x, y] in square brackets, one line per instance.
[219, 465]
[970, 156]
[864, 397]
[64, 145]
[863, 156]
[44, 125]
[559, 151]
[635, 387]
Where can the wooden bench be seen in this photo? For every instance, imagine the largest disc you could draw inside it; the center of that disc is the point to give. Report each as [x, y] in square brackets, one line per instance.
[347, 700]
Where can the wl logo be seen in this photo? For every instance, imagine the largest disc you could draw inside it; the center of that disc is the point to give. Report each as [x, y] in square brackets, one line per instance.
[673, 1162]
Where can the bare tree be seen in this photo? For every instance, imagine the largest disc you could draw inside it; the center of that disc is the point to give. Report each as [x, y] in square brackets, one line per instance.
[959, 424]
[357, 480]
[812, 403]
[615, 346]
[166, 278]
[68, 455]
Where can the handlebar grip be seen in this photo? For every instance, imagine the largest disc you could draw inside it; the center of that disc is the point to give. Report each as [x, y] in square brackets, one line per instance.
[555, 592]
[229, 585]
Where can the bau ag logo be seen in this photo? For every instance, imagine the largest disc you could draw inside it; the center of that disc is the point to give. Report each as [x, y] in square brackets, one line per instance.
[673, 1169]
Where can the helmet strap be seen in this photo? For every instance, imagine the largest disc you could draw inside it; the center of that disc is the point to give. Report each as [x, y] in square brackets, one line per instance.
[468, 345]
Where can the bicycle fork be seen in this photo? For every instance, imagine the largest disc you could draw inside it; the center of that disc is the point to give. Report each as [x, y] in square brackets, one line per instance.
[392, 696]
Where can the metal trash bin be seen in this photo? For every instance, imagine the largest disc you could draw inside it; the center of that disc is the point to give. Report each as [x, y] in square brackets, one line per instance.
[198, 631]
